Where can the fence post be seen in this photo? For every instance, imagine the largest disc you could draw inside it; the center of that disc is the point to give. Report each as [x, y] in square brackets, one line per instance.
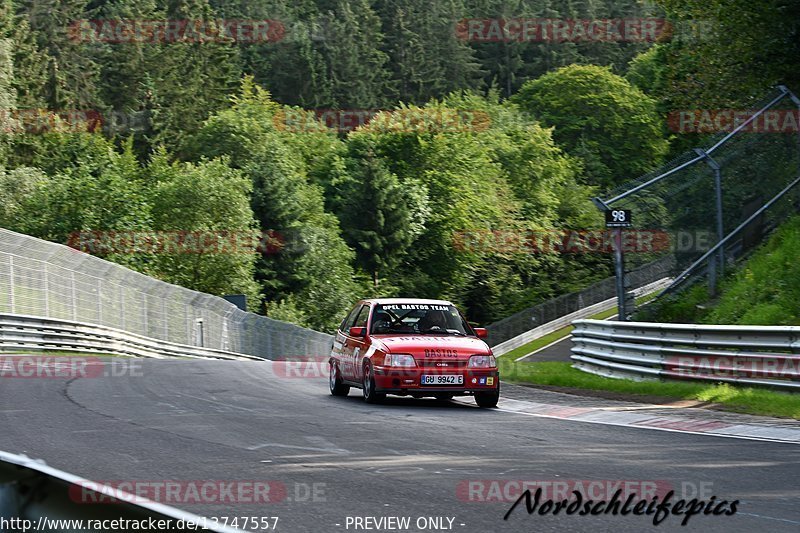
[619, 275]
[187, 318]
[715, 263]
[46, 291]
[99, 292]
[199, 340]
[796, 102]
[74, 303]
[122, 307]
[11, 282]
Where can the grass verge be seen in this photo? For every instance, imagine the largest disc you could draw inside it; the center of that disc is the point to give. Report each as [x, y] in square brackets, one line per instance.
[738, 399]
[543, 341]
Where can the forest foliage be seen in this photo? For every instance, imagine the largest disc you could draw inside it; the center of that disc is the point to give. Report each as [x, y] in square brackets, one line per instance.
[491, 139]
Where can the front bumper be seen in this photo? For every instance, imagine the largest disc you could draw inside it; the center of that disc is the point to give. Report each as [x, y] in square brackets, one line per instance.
[407, 381]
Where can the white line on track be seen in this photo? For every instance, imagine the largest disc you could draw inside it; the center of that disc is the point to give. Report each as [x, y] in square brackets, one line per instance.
[619, 424]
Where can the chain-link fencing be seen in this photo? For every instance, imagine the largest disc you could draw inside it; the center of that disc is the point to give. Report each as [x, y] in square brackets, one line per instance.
[45, 279]
[555, 308]
[738, 187]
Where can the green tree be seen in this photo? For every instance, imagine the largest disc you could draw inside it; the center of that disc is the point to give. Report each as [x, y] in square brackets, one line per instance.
[100, 189]
[509, 63]
[16, 186]
[29, 62]
[206, 206]
[546, 181]
[377, 213]
[601, 118]
[466, 191]
[310, 275]
[71, 70]
[647, 71]
[355, 64]
[724, 53]
[426, 57]
[8, 95]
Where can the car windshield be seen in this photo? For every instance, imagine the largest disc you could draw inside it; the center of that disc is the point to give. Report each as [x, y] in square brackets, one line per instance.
[411, 318]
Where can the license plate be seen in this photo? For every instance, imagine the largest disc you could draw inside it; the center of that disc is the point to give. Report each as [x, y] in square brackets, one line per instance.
[442, 379]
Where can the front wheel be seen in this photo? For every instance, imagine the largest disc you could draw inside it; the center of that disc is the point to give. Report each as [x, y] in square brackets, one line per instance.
[487, 399]
[337, 386]
[370, 396]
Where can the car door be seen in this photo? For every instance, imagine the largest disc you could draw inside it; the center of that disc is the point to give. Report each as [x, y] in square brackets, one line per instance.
[342, 345]
[358, 345]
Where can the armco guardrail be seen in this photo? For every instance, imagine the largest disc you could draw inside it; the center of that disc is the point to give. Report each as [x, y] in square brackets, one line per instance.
[751, 355]
[38, 497]
[37, 334]
[44, 279]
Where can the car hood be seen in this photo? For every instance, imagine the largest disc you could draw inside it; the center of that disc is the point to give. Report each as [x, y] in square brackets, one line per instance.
[434, 346]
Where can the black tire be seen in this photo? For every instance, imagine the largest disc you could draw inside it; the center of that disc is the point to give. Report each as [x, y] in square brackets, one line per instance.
[370, 396]
[335, 383]
[487, 400]
[444, 397]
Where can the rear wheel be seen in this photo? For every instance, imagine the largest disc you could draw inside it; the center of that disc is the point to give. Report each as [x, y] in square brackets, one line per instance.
[337, 386]
[370, 396]
[487, 399]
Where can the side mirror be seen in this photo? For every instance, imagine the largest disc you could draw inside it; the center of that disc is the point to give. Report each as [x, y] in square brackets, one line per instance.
[482, 333]
[358, 332]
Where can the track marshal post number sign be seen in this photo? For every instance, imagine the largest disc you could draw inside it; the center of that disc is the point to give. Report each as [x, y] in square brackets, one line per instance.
[618, 218]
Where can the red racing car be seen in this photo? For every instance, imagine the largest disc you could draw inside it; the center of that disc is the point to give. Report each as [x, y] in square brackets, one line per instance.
[411, 347]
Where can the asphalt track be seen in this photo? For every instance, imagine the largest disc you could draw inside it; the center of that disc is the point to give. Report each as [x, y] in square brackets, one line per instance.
[557, 351]
[209, 420]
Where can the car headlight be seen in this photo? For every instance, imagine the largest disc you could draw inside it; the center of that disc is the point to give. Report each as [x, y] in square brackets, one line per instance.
[399, 359]
[482, 361]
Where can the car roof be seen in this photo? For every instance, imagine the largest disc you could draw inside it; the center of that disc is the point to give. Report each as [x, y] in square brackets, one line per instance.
[406, 301]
